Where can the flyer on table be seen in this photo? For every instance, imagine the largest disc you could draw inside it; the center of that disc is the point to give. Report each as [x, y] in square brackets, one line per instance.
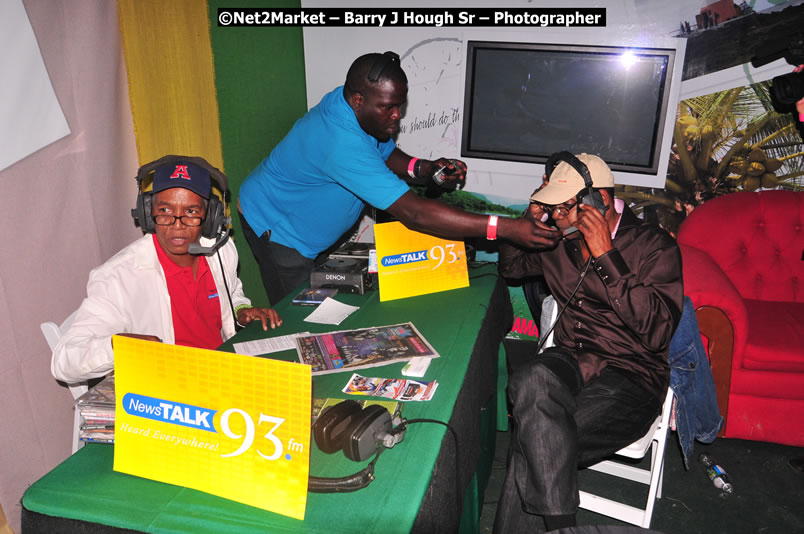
[226, 424]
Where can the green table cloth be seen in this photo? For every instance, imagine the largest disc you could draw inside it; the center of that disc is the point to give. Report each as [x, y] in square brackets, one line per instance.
[420, 483]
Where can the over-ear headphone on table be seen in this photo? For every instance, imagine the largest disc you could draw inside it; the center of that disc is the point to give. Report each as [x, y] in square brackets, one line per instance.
[380, 64]
[360, 433]
[592, 197]
[216, 224]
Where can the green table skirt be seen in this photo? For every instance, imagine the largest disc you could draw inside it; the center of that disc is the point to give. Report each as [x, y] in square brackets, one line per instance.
[419, 483]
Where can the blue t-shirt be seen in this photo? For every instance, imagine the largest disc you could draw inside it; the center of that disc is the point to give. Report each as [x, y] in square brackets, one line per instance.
[312, 186]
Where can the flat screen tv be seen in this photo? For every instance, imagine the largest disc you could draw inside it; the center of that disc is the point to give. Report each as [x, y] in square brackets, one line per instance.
[524, 101]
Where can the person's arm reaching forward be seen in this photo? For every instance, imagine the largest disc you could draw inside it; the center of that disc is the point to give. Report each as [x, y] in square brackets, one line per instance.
[435, 217]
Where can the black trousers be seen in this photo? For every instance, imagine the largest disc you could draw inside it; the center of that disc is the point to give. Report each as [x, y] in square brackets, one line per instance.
[556, 431]
[282, 269]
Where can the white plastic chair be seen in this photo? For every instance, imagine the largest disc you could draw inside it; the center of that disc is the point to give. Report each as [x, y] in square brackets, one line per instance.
[52, 333]
[655, 439]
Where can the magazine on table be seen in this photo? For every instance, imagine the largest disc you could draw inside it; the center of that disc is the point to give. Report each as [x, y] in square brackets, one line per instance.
[347, 350]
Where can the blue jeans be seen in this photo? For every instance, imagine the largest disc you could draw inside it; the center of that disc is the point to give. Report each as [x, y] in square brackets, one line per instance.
[556, 431]
[697, 414]
[282, 268]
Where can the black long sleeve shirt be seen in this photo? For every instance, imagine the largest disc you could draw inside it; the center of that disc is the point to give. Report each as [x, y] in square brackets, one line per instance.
[627, 307]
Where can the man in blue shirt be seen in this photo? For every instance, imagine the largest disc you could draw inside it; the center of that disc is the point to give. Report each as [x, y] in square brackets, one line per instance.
[313, 186]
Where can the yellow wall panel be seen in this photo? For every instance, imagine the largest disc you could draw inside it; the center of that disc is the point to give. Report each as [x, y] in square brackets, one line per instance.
[171, 78]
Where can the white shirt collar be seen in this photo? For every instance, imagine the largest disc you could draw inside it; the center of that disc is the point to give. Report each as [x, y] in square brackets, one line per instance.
[619, 205]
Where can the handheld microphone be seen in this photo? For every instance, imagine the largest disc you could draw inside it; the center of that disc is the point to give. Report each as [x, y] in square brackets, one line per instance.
[198, 250]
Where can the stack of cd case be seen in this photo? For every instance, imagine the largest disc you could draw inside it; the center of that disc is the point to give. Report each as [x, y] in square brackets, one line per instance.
[96, 412]
[313, 296]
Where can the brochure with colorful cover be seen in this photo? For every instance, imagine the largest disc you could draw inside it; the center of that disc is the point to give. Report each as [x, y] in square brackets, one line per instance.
[400, 389]
[347, 350]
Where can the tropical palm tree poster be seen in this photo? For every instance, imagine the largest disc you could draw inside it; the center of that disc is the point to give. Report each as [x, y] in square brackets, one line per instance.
[726, 141]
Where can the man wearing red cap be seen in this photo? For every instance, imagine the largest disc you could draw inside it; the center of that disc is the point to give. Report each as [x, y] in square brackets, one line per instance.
[157, 288]
[618, 283]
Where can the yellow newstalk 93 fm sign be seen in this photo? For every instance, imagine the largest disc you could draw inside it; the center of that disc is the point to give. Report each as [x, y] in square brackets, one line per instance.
[231, 425]
[411, 263]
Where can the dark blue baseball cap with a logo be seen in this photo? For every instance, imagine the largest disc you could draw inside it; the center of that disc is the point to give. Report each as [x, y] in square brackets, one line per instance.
[182, 174]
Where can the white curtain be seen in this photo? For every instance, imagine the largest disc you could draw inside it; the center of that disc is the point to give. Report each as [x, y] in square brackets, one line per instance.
[66, 210]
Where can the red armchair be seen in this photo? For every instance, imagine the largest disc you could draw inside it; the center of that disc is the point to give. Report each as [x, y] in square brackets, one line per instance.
[743, 256]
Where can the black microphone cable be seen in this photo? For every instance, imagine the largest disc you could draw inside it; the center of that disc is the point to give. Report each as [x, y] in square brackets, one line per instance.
[349, 483]
[544, 336]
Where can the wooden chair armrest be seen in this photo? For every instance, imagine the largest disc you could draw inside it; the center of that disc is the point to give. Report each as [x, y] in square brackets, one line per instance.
[718, 330]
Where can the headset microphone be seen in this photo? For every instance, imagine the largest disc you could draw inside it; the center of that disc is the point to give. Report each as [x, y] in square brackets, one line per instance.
[592, 197]
[216, 224]
[380, 64]
[197, 250]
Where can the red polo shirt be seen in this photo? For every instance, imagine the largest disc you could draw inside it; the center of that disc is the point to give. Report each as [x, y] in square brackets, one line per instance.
[194, 302]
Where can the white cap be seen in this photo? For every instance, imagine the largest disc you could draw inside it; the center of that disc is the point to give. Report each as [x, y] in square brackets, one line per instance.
[565, 182]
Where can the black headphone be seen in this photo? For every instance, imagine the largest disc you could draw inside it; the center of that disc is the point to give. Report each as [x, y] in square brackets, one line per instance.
[360, 433]
[380, 64]
[592, 197]
[216, 222]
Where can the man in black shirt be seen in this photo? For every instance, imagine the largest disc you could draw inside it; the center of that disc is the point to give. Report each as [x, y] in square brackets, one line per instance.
[602, 384]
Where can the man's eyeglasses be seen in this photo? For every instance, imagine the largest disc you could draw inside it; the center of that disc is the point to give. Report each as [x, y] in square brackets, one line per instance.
[562, 209]
[170, 220]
